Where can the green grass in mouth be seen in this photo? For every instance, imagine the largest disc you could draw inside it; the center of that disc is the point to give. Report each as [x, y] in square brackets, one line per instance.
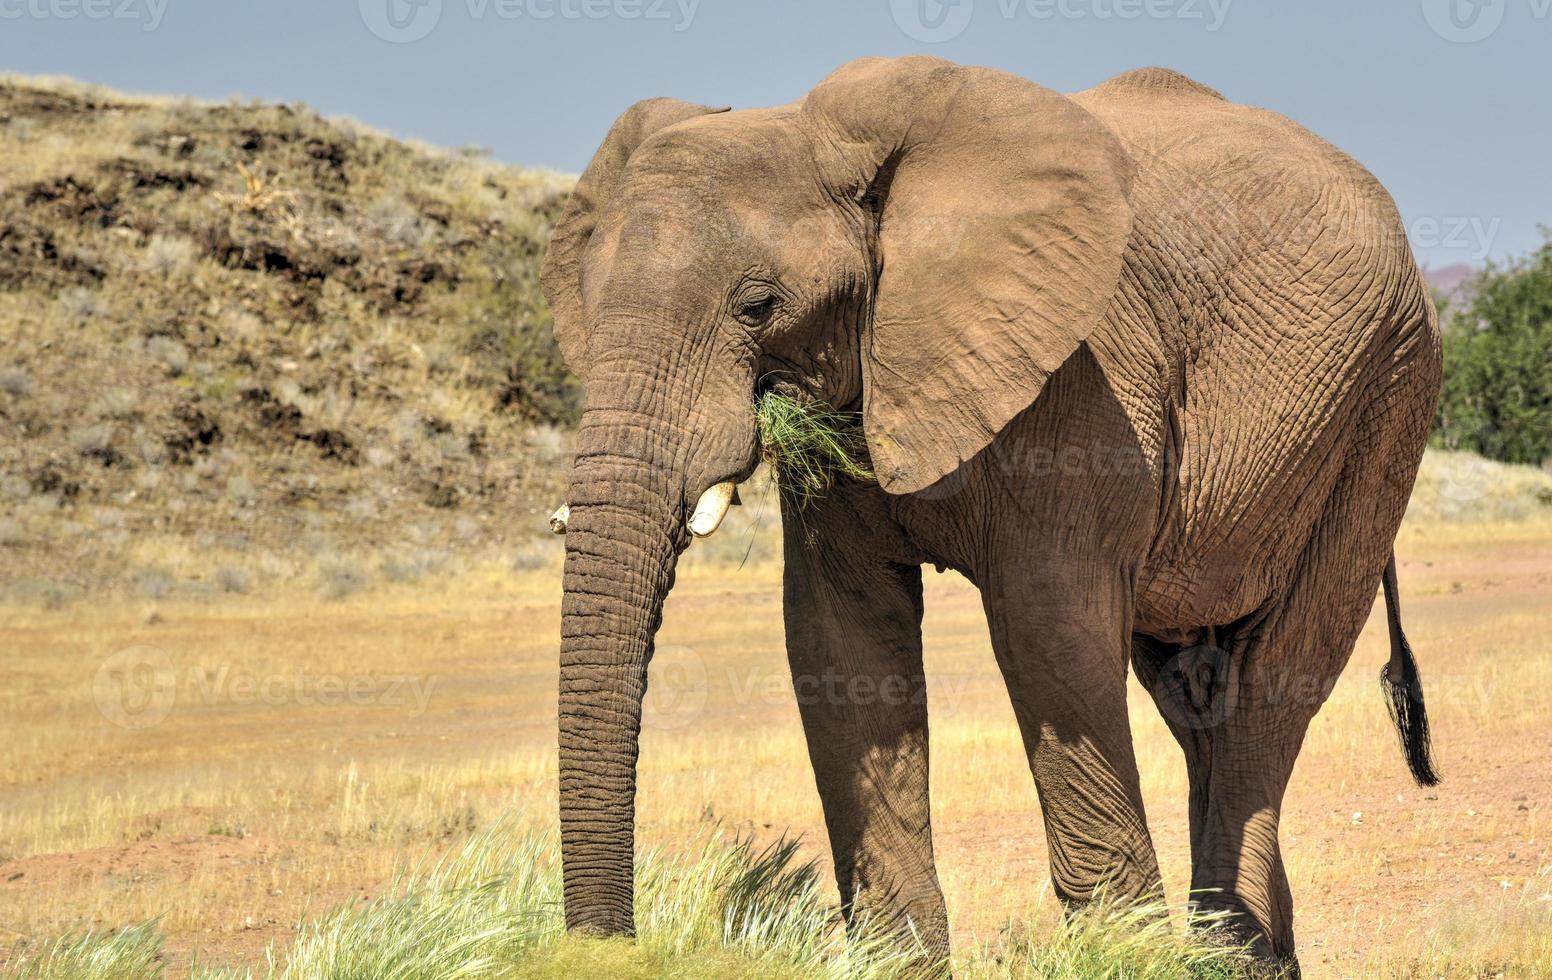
[810, 445]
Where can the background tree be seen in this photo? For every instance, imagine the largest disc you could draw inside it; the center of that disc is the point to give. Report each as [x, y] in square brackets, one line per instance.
[1497, 397]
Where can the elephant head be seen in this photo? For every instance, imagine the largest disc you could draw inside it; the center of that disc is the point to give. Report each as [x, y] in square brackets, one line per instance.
[921, 241]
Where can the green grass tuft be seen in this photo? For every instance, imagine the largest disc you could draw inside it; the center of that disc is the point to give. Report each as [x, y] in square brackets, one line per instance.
[723, 908]
[1106, 939]
[810, 445]
[129, 954]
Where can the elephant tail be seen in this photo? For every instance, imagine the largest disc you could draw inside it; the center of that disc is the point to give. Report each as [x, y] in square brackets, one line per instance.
[1403, 689]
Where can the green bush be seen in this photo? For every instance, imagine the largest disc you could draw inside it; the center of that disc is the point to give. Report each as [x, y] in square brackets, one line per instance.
[1497, 397]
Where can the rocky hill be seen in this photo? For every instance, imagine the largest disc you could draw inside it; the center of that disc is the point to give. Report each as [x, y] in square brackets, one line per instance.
[242, 343]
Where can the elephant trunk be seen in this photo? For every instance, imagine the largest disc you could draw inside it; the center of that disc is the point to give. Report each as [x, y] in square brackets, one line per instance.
[624, 531]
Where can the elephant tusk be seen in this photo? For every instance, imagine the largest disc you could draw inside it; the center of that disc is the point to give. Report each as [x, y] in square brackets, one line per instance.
[560, 519]
[711, 509]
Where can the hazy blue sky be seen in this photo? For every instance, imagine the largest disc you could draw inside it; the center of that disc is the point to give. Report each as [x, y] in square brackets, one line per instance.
[1445, 100]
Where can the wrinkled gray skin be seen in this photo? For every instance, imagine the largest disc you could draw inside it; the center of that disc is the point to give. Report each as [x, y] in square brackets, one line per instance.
[1153, 370]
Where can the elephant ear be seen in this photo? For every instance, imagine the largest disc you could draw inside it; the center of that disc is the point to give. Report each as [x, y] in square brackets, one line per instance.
[1002, 218]
[561, 275]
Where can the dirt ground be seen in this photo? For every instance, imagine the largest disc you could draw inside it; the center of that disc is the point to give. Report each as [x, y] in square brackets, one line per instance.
[237, 766]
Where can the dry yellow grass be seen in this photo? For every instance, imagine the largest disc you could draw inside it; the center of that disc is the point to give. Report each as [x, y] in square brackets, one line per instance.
[311, 747]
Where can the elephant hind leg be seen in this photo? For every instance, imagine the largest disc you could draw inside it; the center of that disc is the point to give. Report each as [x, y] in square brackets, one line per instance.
[1240, 706]
[1239, 752]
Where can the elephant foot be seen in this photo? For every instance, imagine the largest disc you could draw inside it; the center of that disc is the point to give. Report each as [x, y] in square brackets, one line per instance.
[922, 943]
[1274, 968]
[1268, 960]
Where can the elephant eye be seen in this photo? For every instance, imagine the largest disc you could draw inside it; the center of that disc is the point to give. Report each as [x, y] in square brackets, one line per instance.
[755, 310]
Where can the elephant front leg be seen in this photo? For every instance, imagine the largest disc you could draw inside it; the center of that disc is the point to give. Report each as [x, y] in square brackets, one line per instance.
[1061, 631]
[854, 643]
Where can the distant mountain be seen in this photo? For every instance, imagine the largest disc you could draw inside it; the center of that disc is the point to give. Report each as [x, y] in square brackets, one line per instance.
[1451, 280]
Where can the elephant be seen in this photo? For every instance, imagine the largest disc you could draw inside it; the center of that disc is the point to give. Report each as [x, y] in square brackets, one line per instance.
[1151, 369]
